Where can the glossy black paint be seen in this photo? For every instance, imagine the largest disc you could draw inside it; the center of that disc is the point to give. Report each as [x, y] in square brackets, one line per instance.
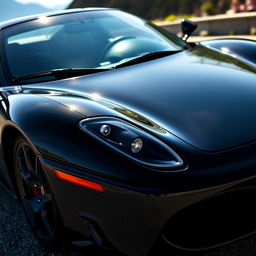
[191, 106]
[199, 102]
[239, 48]
[188, 27]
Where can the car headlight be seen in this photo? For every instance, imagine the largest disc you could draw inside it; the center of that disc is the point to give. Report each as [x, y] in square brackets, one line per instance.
[132, 142]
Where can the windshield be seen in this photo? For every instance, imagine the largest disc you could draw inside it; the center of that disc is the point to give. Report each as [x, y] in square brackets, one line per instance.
[84, 40]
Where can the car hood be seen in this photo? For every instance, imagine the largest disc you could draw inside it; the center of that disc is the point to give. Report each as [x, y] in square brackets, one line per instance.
[204, 97]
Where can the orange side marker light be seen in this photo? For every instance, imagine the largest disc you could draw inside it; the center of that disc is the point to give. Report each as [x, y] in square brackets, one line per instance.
[78, 181]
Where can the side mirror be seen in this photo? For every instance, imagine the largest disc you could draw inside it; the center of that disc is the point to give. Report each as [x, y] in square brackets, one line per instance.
[188, 27]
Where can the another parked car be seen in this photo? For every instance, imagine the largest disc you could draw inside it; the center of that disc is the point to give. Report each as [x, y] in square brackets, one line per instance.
[118, 133]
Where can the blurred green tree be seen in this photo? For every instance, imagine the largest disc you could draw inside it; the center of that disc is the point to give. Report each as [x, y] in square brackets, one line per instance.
[153, 9]
[208, 8]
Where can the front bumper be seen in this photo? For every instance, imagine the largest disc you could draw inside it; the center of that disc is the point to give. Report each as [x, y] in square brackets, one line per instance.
[132, 220]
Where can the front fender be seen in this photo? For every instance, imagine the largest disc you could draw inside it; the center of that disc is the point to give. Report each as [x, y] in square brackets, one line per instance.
[37, 119]
[53, 129]
[240, 48]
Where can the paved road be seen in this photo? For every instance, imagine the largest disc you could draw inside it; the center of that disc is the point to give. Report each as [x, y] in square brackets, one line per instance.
[16, 238]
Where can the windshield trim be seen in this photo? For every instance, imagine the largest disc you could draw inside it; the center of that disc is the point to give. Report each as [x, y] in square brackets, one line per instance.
[14, 22]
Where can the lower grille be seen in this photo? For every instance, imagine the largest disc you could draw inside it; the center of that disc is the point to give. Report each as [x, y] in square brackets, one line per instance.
[214, 221]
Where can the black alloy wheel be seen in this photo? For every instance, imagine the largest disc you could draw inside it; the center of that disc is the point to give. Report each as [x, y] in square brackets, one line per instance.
[35, 195]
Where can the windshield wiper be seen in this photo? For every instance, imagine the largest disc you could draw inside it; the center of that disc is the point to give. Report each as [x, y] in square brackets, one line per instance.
[60, 73]
[147, 57]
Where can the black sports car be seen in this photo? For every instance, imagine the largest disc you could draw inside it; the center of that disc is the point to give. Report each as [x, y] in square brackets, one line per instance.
[116, 132]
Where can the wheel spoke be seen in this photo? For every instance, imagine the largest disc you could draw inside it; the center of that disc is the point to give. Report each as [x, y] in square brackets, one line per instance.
[27, 158]
[45, 220]
[37, 166]
[34, 191]
[29, 211]
[25, 175]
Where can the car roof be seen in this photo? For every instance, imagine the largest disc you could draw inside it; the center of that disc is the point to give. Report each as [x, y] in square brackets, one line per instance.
[12, 22]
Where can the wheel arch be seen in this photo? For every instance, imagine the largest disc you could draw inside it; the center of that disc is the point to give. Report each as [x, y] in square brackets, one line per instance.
[9, 135]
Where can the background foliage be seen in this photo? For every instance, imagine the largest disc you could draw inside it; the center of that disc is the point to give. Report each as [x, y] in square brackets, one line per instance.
[154, 9]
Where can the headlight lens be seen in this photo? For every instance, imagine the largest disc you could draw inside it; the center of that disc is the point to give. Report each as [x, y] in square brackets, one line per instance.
[137, 145]
[105, 130]
[132, 142]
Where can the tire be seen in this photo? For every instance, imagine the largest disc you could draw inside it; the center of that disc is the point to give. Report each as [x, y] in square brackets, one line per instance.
[36, 196]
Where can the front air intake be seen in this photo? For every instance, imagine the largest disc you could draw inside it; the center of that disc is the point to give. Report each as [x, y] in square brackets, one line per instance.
[213, 222]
